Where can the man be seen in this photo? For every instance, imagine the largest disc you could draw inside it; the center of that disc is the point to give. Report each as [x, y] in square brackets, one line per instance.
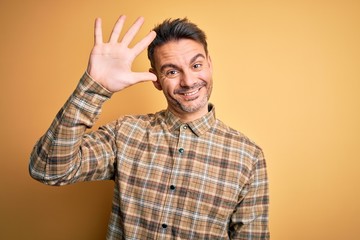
[179, 173]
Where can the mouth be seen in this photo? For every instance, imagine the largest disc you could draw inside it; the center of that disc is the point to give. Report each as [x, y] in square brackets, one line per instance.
[191, 93]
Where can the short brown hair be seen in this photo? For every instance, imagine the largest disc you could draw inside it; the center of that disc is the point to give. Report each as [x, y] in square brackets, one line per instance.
[175, 29]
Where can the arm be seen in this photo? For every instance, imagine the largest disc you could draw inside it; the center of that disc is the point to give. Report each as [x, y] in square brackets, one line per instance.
[65, 154]
[250, 219]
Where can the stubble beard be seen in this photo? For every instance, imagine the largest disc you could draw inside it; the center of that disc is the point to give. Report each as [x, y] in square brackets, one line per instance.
[191, 108]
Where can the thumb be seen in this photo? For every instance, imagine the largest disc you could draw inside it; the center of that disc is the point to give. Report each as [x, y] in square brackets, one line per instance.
[144, 76]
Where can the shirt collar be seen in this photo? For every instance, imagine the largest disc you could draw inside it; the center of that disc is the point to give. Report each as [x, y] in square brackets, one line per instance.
[198, 126]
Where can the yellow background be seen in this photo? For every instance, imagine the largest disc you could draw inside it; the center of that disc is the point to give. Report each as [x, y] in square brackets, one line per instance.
[287, 74]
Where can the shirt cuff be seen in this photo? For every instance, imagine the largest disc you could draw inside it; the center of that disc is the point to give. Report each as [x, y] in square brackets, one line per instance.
[89, 95]
[102, 90]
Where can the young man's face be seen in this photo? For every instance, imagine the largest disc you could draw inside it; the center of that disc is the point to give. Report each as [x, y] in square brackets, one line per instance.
[184, 73]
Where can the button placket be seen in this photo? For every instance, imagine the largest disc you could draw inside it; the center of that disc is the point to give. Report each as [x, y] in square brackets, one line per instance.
[183, 128]
[166, 219]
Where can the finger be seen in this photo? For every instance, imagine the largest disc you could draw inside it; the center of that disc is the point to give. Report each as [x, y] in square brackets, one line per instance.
[117, 29]
[133, 30]
[144, 76]
[98, 39]
[144, 43]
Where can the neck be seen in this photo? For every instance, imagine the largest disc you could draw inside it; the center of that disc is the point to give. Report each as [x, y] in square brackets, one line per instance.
[186, 117]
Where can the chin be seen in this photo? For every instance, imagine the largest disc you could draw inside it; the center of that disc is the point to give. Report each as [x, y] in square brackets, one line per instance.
[194, 107]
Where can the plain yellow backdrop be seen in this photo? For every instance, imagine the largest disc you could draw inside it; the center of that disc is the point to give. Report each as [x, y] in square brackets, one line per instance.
[286, 73]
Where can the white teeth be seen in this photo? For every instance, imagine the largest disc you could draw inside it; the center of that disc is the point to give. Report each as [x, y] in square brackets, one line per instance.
[191, 93]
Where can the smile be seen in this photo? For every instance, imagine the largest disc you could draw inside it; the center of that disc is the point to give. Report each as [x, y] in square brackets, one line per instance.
[192, 93]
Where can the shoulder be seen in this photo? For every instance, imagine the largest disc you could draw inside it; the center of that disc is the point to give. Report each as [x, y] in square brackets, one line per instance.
[238, 141]
[140, 122]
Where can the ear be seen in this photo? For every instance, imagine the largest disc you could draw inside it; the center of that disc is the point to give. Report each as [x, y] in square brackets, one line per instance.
[210, 64]
[156, 83]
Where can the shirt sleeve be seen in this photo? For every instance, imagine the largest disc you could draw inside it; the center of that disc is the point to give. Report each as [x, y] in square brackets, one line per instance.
[66, 153]
[250, 219]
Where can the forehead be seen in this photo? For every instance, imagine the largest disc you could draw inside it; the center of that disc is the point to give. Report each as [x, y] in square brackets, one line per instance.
[177, 52]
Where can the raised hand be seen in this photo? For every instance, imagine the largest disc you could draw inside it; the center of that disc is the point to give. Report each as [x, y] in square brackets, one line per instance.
[110, 63]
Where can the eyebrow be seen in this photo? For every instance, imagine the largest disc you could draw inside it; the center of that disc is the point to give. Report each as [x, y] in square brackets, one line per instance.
[170, 65]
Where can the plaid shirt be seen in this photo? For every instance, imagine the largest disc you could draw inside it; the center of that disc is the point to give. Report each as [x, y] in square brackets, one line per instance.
[173, 180]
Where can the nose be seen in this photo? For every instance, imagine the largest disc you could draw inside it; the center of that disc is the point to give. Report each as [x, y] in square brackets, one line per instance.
[187, 79]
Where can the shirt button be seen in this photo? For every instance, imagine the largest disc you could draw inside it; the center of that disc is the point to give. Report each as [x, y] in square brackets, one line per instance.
[172, 187]
[164, 225]
[184, 127]
[181, 150]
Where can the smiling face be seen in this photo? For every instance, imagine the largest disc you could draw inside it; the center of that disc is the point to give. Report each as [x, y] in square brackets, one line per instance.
[184, 73]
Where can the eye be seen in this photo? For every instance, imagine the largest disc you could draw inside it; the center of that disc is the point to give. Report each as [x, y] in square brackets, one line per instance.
[197, 66]
[171, 73]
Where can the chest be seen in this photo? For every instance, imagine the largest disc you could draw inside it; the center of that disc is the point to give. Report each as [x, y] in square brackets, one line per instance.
[207, 167]
[180, 180]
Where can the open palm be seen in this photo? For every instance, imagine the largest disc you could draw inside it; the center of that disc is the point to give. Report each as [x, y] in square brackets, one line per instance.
[110, 63]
